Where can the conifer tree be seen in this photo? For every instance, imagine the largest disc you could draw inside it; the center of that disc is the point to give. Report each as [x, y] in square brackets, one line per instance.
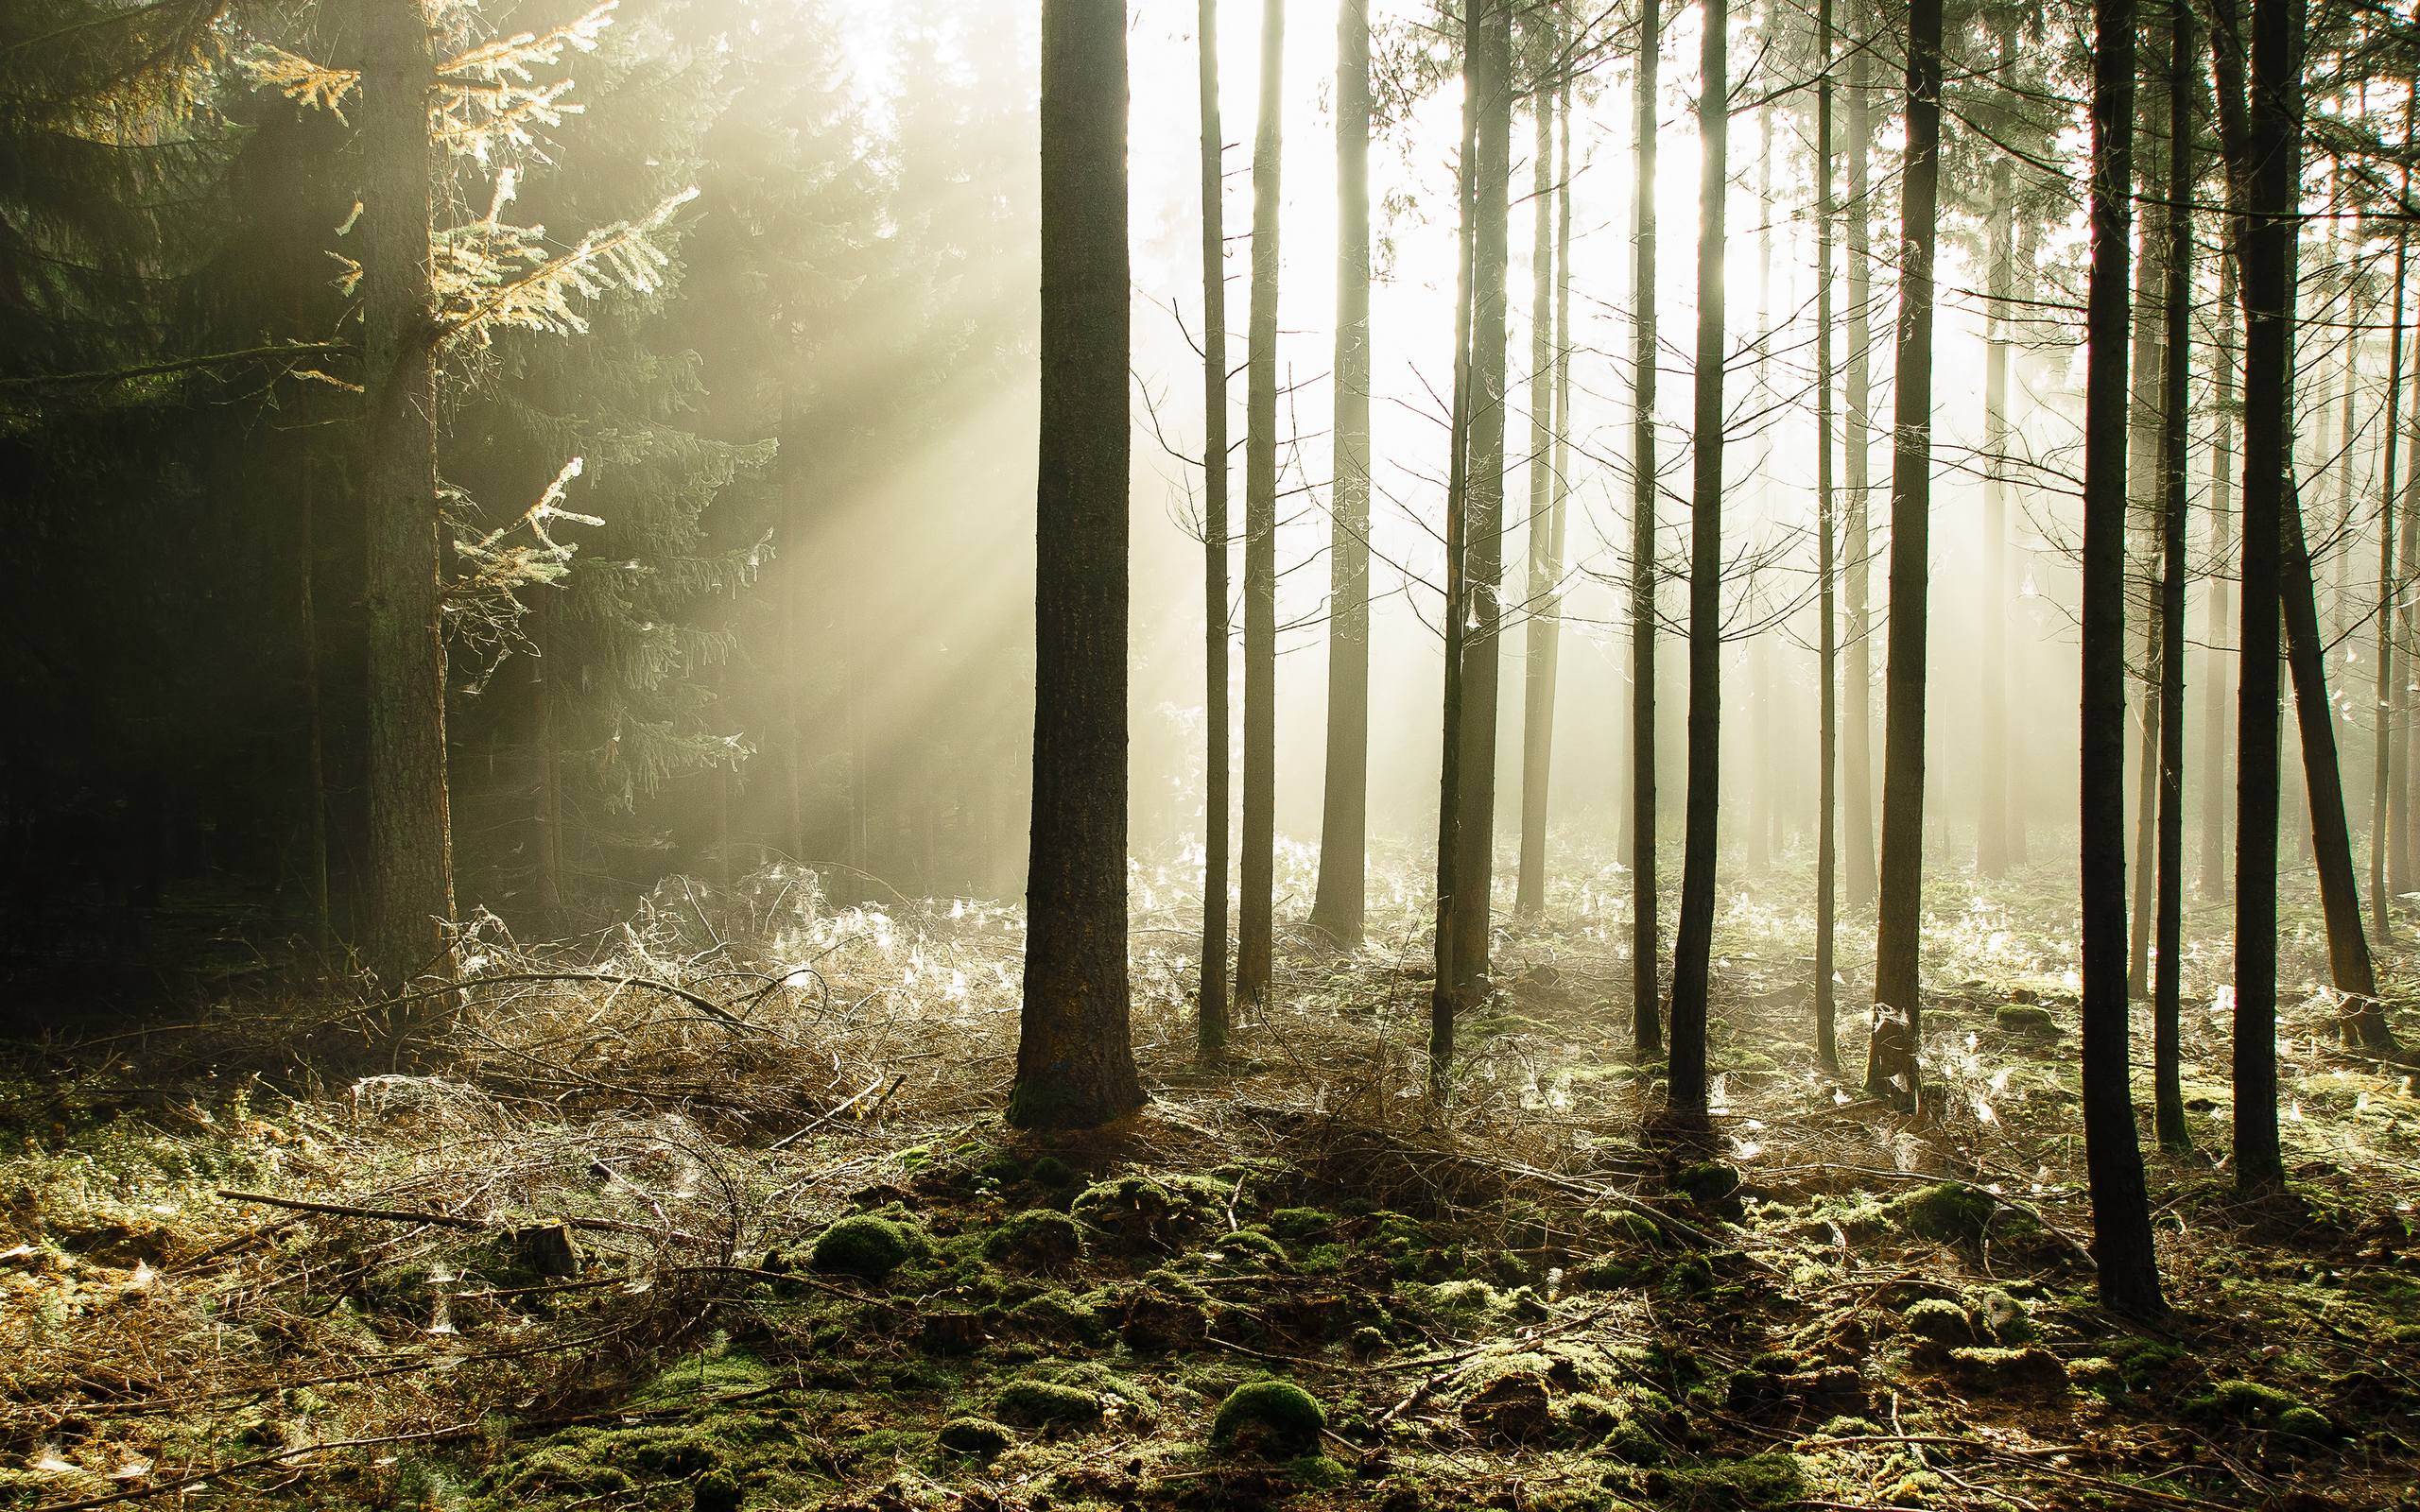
[1256, 927]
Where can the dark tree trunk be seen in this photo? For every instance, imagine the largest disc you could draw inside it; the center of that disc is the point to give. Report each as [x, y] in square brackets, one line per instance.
[1827, 715]
[2220, 660]
[1544, 531]
[315, 765]
[1211, 1037]
[1857, 476]
[410, 840]
[1991, 827]
[1075, 1064]
[2175, 490]
[1345, 801]
[1646, 1033]
[2143, 479]
[546, 749]
[1491, 255]
[2401, 831]
[1891, 1062]
[1693, 946]
[1256, 927]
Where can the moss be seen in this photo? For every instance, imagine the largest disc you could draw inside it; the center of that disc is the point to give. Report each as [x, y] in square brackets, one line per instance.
[1303, 1225]
[1248, 1243]
[978, 1436]
[2026, 1019]
[1056, 1314]
[1638, 1229]
[2256, 1404]
[1759, 1481]
[1689, 1276]
[1709, 1183]
[862, 1246]
[1140, 1209]
[2005, 1318]
[1938, 1320]
[1992, 1369]
[2305, 1422]
[1632, 1443]
[1849, 1427]
[1046, 1405]
[717, 1490]
[1367, 1343]
[1269, 1413]
[1052, 1174]
[1037, 1239]
[1949, 1213]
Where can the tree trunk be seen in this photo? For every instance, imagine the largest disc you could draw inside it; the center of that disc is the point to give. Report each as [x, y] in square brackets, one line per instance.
[1693, 947]
[411, 842]
[546, 746]
[1827, 717]
[1344, 805]
[2385, 803]
[1074, 1065]
[1545, 496]
[314, 764]
[1856, 472]
[2144, 487]
[1647, 1032]
[1443, 998]
[2123, 1250]
[2220, 658]
[1763, 806]
[1891, 1061]
[2175, 490]
[2402, 833]
[1210, 1032]
[1484, 484]
[1991, 827]
[1256, 927]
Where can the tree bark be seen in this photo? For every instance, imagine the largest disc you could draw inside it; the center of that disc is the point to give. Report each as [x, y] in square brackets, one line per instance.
[1891, 1060]
[410, 839]
[1827, 714]
[315, 768]
[2143, 481]
[2220, 658]
[1211, 1029]
[548, 749]
[1074, 1063]
[1256, 927]
[1646, 946]
[1693, 947]
[1543, 534]
[1857, 549]
[1991, 826]
[2385, 803]
[2122, 1253]
[2175, 490]
[1337, 908]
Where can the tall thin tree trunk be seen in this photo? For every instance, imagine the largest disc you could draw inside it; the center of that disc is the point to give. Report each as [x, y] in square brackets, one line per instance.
[1693, 947]
[1211, 1037]
[2122, 1251]
[2143, 481]
[1075, 1061]
[2404, 779]
[1256, 927]
[1763, 805]
[2385, 803]
[1857, 550]
[2175, 490]
[1545, 513]
[411, 841]
[1482, 672]
[1344, 804]
[1991, 829]
[1647, 1032]
[1891, 1062]
[2220, 658]
[546, 746]
[315, 765]
[1827, 717]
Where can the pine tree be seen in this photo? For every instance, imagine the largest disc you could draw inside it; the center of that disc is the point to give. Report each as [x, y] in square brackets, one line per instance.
[1256, 927]
[1646, 1033]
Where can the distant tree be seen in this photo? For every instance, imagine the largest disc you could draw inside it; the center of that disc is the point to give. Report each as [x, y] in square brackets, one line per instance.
[2386, 803]
[1255, 940]
[1646, 942]
[1890, 1063]
[1544, 532]
[1344, 803]
[2220, 660]
[1827, 715]
[1213, 1030]
[1075, 1062]
[1857, 550]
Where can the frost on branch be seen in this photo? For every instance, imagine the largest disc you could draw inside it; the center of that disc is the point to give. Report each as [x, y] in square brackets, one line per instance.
[483, 606]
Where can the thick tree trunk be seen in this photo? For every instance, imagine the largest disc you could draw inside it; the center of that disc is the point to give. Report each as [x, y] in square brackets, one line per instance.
[1990, 828]
[1693, 947]
[1827, 715]
[1211, 1033]
[1074, 1065]
[1256, 927]
[1646, 946]
[1857, 474]
[410, 839]
[1891, 1061]
[2123, 1250]
[1546, 497]
[1482, 670]
[2175, 490]
[2220, 658]
[1344, 804]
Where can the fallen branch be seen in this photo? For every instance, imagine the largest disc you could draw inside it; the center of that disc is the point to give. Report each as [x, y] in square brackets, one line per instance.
[448, 1220]
[186, 1482]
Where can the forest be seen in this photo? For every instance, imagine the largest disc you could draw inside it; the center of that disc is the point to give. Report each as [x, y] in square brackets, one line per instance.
[1052, 755]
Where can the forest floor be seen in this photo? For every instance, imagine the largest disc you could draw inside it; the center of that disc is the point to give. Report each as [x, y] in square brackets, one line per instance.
[716, 1211]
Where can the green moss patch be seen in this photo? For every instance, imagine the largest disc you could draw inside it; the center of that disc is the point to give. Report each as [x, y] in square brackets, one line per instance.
[1270, 1415]
[1038, 1239]
[863, 1245]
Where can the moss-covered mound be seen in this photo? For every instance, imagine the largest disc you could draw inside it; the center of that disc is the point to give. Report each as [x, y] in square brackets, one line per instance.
[1271, 1416]
[862, 1246]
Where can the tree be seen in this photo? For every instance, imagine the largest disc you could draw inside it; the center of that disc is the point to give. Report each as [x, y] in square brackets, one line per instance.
[1891, 1062]
[2220, 658]
[2143, 468]
[2122, 1253]
[1646, 944]
[1550, 282]
[1857, 552]
[1828, 718]
[1213, 1028]
[1693, 945]
[1256, 928]
[2386, 804]
[1344, 807]
[2175, 488]
[1074, 1063]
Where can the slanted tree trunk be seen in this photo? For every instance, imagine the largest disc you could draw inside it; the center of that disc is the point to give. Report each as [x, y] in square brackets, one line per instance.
[1990, 828]
[1856, 474]
[1646, 947]
[2175, 488]
[2261, 132]
[2122, 1252]
[1546, 495]
[2385, 803]
[1484, 659]
[410, 837]
[1891, 1061]
[1445, 999]
[1075, 1064]
[1693, 947]
[1256, 927]
[2220, 658]
[1344, 803]
[1211, 1036]
[1827, 713]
